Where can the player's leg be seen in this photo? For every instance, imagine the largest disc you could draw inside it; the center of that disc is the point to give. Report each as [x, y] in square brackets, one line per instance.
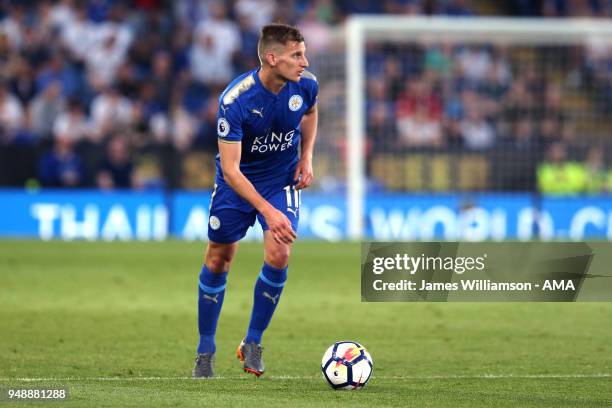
[270, 281]
[228, 223]
[211, 288]
[211, 292]
[267, 292]
[268, 287]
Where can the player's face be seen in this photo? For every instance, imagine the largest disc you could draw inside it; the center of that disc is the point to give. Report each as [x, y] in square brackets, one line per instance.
[292, 61]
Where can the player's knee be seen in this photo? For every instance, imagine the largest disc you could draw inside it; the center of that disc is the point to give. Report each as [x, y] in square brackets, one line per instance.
[278, 258]
[218, 262]
[218, 257]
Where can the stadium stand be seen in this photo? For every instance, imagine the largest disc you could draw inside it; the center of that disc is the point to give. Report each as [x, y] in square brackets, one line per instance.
[84, 82]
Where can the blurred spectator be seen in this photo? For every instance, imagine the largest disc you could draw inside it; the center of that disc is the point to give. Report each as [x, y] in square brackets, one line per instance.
[598, 71]
[317, 32]
[162, 79]
[392, 72]
[147, 105]
[73, 123]
[381, 132]
[62, 166]
[419, 113]
[11, 113]
[477, 134]
[549, 133]
[206, 138]
[57, 70]
[378, 94]
[116, 169]
[215, 43]
[45, 108]
[13, 26]
[419, 94]
[246, 56]
[495, 83]
[190, 12]
[454, 138]
[259, 12]
[439, 59]
[524, 138]
[326, 11]
[77, 32]
[598, 174]
[22, 83]
[419, 129]
[108, 52]
[184, 128]
[522, 154]
[60, 14]
[518, 102]
[126, 81]
[557, 175]
[474, 61]
[110, 112]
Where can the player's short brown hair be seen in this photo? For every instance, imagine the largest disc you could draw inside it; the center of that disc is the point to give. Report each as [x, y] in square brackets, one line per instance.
[276, 33]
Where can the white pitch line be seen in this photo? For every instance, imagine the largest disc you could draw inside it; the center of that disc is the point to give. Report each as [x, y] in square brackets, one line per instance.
[290, 377]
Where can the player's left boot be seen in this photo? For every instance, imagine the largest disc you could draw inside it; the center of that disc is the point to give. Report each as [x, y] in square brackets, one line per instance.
[204, 365]
[250, 355]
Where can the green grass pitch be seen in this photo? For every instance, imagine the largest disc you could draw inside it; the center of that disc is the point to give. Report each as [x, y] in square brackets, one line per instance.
[116, 324]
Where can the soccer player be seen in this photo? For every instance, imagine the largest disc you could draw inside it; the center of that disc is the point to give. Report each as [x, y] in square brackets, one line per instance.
[264, 116]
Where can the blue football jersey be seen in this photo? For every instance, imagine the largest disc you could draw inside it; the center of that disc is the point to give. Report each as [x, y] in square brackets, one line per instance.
[267, 125]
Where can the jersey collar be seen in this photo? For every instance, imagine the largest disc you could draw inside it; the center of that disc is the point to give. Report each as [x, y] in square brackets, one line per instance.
[263, 88]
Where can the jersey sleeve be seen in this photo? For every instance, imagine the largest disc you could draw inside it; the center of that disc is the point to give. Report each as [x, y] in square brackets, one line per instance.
[229, 123]
[312, 92]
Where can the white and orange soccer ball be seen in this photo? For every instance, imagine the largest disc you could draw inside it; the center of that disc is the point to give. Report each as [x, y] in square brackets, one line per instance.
[347, 365]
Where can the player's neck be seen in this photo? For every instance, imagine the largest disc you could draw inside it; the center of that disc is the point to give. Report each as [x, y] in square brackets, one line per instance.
[270, 81]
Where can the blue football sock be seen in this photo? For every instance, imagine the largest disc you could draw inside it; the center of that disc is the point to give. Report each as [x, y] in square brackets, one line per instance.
[211, 291]
[267, 294]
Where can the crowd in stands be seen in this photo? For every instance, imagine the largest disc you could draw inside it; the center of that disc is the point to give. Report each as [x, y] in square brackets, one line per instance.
[467, 99]
[114, 94]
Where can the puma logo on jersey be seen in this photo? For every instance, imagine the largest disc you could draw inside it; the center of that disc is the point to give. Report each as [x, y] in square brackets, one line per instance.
[211, 298]
[269, 296]
[257, 111]
[293, 211]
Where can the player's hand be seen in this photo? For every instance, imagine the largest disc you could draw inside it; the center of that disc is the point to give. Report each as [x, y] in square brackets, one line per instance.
[303, 173]
[280, 227]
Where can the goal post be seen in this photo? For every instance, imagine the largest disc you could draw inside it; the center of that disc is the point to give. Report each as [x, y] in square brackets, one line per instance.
[364, 29]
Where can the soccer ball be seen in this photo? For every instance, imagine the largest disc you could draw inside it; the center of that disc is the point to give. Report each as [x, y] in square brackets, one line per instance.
[347, 365]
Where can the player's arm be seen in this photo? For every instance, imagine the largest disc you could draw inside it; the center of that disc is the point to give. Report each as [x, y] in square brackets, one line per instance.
[303, 171]
[279, 224]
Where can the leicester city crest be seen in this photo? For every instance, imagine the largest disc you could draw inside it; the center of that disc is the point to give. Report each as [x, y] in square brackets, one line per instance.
[214, 222]
[295, 103]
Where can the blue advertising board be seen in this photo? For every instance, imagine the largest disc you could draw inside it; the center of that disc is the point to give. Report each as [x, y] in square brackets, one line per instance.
[95, 215]
[79, 214]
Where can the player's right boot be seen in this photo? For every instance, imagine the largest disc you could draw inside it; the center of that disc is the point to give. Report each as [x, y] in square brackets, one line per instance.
[250, 355]
[204, 363]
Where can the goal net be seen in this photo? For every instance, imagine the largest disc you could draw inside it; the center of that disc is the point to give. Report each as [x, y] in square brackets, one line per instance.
[465, 106]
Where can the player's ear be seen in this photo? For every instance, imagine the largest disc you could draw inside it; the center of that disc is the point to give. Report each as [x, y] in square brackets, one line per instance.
[271, 58]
